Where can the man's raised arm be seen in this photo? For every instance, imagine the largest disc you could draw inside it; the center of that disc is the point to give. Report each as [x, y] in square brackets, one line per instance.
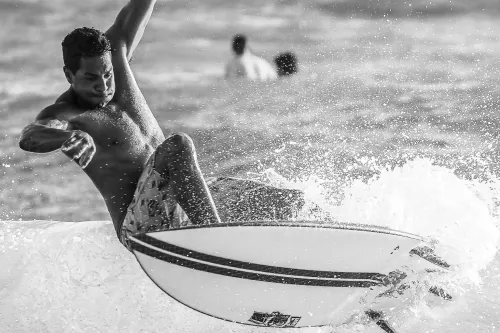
[129, 25]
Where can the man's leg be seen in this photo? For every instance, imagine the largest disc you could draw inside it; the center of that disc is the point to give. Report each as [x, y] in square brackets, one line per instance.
[246, 200]
[176, 160]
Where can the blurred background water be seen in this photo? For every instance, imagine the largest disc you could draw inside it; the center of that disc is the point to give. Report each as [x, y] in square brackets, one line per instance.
[392, 120]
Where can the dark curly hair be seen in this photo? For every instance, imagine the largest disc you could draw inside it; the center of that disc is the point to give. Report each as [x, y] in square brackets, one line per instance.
[83, 42]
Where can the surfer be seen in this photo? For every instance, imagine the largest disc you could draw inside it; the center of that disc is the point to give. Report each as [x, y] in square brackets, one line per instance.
[104, 124]
[245, 64]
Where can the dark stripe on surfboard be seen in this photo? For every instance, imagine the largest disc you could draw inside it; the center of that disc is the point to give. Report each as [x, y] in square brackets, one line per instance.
[248, 275]
[154, 242]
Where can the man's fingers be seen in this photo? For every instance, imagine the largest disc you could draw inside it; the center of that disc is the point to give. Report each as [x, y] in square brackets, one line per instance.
[71, 140]
[86, 157]
[85, 161]
[79, 148]
[83, 149]
[71, 144]
[78, 155]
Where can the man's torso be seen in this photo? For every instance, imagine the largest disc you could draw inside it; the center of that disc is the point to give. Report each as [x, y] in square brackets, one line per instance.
[125, 133]
[252, 67]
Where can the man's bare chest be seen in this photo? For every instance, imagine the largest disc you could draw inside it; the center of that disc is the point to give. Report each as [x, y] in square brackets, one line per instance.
[111, 128]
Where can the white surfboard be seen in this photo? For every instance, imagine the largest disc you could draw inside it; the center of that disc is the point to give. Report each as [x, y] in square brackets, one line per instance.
[278, 273]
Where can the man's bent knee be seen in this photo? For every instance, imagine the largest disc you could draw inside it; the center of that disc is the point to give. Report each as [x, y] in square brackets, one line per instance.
[177, 151]
[178, 142]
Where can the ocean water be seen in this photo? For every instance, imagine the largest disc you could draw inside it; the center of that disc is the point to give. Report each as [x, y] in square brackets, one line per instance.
[392, 120]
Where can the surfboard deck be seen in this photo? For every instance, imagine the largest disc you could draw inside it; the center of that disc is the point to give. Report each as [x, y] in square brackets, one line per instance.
[278, 273]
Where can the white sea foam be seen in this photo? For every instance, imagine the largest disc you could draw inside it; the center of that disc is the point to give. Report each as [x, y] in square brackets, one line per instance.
[419, 197]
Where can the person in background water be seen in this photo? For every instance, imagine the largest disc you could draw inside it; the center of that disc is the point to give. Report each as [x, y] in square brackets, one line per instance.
[245, 64]
[103, 123]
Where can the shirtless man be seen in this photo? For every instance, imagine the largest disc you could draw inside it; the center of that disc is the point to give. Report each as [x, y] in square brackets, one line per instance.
[104, 124]
[245, 64]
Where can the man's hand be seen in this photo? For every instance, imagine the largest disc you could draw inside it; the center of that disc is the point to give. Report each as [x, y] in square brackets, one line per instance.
[79, 147]
[128, 28]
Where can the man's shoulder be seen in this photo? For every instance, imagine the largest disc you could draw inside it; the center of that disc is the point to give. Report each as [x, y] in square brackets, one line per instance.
[61, 109]
[66, 97]
[266, 70]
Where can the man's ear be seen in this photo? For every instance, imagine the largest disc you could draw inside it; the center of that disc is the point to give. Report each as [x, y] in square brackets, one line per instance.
[68, 74]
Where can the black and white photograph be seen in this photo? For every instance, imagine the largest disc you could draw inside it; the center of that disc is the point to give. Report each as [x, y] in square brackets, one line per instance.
[265, 166]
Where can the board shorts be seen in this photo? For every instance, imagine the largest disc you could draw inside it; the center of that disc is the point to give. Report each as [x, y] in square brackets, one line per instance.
[154, 207]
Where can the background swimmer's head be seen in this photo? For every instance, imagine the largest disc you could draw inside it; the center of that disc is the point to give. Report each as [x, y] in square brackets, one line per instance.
[286, 63]
[88, 66]
[239, 44]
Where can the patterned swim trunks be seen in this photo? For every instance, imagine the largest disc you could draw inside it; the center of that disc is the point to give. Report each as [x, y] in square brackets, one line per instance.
[153, 206]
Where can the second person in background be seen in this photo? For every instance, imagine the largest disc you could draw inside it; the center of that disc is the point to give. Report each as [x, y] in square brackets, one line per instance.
[245, 64]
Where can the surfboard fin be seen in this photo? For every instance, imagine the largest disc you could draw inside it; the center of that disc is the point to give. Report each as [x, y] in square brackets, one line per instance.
[378, 319]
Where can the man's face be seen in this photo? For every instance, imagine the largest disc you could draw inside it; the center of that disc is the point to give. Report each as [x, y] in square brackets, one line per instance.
[94, 81]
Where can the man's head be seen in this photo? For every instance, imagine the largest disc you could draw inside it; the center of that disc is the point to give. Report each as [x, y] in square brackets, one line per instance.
[286, 63]
[88, 67]
[239, 44]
